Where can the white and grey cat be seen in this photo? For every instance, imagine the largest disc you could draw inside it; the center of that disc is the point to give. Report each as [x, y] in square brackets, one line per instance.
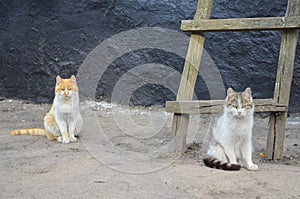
[230, 146]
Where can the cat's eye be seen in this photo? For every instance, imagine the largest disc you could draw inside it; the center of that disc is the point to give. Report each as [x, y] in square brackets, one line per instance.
[63, 89]
[233, 106]
[247, 106]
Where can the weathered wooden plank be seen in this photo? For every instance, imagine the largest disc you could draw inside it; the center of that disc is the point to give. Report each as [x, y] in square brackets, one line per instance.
[179, 133]
[283, 83]
[241, 24]
[188, 79]
[271, 138]
[195, 107]
[216, 106]
[270, 108]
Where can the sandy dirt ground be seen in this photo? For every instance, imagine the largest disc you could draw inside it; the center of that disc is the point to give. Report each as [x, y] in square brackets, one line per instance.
[121, 153]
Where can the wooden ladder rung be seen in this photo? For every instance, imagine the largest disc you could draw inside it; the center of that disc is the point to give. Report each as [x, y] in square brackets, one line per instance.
[195, 107]
[241, 24]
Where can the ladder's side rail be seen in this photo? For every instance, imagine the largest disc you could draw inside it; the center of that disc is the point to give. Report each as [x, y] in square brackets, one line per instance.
[188, 79]
[282, 89]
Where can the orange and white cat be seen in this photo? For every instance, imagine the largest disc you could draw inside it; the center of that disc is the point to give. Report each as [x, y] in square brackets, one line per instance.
[63, 122]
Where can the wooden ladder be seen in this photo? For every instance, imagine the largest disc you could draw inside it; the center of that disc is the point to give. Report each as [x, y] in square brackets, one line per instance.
[278, 106]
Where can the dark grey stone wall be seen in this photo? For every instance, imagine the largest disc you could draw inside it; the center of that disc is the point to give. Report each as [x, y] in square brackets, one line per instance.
[41, 39]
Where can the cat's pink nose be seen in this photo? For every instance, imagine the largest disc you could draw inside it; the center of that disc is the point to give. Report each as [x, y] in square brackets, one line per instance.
[66, 94]
[239, 113]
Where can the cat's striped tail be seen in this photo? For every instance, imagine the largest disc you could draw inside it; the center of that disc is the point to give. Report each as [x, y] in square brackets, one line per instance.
[29, 132]
[215, 163]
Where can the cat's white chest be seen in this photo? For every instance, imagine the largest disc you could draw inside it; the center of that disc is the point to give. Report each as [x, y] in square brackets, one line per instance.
[64, 112]
[240, 127]
[65, 109]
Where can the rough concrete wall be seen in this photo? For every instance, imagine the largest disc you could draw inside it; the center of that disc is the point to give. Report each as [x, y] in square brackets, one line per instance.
[42, 39]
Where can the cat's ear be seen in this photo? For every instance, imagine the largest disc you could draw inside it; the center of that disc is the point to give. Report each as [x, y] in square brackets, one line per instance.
[247, 93]
[58, 79]
[73, 79]
[230, 92]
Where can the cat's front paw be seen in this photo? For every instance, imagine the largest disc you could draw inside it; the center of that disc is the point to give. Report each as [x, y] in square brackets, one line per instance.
[76, 134]
[73, 139]
[59, 139]
[65, 141]
[252, 167]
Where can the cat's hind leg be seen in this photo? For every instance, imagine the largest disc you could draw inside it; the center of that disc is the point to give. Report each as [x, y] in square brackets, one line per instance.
[52, 130]
[217, 151]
